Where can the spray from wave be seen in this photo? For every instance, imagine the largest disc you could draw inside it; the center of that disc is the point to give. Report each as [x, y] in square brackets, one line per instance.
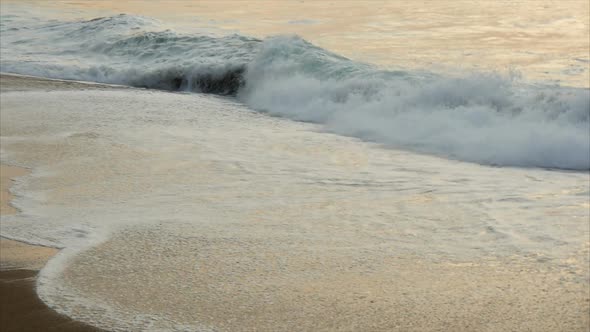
[481, 117]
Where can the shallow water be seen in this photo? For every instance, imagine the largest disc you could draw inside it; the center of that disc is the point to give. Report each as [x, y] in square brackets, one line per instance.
[211, 225]
[479, 116]
[188, 211]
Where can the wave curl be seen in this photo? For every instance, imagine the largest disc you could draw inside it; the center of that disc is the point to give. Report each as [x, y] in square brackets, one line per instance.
[485, 118]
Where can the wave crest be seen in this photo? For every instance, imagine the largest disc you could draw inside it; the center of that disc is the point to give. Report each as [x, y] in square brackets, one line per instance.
[486, 118]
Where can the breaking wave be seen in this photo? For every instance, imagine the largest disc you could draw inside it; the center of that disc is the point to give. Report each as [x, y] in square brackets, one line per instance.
[487, 118]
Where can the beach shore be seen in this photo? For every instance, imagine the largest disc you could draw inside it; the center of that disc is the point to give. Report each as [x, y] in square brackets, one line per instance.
[265, 283]
[20, 307]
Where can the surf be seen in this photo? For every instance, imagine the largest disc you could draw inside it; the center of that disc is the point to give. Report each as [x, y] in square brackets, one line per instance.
[481, 117]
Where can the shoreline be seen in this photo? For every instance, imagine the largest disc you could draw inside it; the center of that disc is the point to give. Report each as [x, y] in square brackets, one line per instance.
[16, 254]
[248, 276]
[20, 263]
[18, 82]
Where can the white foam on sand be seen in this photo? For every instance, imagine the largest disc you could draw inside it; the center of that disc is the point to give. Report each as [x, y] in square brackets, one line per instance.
[163, 199]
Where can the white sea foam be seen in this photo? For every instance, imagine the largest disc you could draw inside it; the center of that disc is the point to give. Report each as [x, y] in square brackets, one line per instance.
[486, 118]
[195, 203]
[150, 192]
[104, 160]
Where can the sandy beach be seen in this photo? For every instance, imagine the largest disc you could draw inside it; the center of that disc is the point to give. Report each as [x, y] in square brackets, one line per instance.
[20, 307]
[229, 166]
[13, 254]
[248, 278]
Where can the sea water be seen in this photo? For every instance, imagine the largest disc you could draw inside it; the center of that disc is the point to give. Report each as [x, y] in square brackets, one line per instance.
[177, 208]
[482, 116]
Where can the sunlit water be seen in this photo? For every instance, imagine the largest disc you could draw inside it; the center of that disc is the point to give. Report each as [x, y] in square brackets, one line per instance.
[185, 211]
[543, 39]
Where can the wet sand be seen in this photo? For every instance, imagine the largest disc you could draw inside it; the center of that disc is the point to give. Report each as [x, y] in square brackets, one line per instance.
[20, 307]
[13, 254]
[15, 82]
[401, 293]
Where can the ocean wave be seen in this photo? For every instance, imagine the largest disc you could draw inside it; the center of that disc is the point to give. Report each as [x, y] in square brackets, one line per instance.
[487, 118]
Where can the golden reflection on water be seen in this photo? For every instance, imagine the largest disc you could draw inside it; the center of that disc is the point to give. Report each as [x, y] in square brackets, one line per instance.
[543, 39]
